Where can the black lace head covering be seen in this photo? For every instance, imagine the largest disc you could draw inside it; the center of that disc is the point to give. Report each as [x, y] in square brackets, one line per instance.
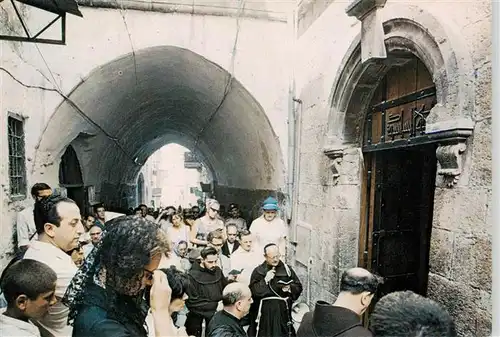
[117, 264]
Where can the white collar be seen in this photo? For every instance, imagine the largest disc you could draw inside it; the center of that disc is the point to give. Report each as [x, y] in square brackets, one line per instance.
[49, 249]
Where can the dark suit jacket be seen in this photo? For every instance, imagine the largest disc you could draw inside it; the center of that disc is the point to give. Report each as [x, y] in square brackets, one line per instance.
[225, 248]
[329, 321]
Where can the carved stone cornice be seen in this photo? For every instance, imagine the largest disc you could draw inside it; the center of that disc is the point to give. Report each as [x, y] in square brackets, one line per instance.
[450, 161]
[451, 137]
[335, 154]
[360, 8]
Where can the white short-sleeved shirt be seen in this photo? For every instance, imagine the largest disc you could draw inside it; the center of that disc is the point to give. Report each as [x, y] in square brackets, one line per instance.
[11, 327]
[268, 232]
[55, 322]
[25, 226]
[175, 235]
[246, 260]
[206, 225]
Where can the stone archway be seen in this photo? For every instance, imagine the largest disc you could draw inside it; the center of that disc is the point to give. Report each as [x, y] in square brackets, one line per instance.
[164, 95]
[407, 29]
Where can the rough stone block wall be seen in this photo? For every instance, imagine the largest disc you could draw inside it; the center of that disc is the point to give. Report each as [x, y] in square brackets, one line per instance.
[88, 47]
[460, 256]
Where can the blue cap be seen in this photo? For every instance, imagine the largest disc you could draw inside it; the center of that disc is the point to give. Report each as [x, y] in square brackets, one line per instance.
[270, 204]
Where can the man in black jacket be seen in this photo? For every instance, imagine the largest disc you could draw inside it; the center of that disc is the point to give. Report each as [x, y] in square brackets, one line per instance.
[206, 283]
[343, 318]
[231, 244]
[236, 299]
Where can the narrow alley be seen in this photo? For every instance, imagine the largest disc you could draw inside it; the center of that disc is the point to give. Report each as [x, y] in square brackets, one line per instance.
[333, 142]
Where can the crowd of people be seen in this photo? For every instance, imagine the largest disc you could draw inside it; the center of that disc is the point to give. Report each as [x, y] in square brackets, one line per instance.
[185, 272]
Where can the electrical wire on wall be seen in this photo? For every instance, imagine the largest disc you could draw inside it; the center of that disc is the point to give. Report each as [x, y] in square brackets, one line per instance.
[56, 88]
[122, 14]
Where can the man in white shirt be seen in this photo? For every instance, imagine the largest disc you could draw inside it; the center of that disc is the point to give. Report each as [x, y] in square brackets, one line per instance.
[246, 258]
[95, 234]
[59, 226]
[26, 230]
[268, 228]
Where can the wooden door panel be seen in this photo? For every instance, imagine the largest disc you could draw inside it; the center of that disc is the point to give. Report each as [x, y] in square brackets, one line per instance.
[396, 252]
[398, 283]
[399, 180]
[400, 223]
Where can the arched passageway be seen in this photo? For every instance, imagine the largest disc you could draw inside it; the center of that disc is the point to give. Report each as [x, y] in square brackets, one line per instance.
[70, 177]
[163, 95]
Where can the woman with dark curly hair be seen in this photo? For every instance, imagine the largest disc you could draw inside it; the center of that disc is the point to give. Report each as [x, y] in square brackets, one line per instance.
[179, 283]
[106, 296]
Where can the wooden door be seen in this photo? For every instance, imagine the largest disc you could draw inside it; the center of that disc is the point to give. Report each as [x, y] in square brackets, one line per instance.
[402, 217]
[398, 190]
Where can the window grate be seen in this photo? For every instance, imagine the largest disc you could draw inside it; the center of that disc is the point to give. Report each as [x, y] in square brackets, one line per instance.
[17, 163]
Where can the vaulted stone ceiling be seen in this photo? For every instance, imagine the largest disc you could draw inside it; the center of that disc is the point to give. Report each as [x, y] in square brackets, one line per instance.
[164, 95]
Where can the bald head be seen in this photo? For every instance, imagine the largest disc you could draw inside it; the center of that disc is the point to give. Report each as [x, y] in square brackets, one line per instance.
[272, 254]
[358, 272]
[357, 289]
[237, 298]
[359, 280]
[234, 292]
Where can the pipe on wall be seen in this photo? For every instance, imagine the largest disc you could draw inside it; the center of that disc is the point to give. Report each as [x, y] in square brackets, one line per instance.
[293, 134]
[180, 7]
[291, 117]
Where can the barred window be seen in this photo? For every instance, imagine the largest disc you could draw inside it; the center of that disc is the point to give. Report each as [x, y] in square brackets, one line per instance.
[17, 165]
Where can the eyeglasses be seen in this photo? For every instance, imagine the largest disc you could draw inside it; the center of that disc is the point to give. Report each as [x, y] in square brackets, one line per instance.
[215, 210]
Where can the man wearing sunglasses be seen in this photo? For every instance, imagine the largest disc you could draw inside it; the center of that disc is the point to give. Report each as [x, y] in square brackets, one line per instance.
[207, 223]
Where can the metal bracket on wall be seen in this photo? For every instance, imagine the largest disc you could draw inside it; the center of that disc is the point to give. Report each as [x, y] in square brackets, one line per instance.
[58, 7]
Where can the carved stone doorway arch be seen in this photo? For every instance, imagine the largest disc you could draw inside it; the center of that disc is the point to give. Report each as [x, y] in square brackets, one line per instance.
[407, 30]
[407, 33]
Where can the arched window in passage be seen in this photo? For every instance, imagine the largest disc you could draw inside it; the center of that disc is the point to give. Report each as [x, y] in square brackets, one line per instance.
[70, 178]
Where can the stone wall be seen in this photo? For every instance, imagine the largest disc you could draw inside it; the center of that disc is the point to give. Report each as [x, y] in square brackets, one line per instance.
[30, 90]
[460, 258]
